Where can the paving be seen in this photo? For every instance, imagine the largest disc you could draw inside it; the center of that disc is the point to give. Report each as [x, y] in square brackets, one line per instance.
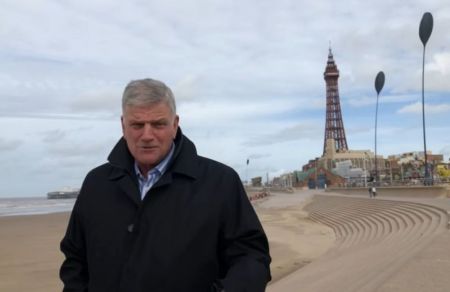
[382, 244]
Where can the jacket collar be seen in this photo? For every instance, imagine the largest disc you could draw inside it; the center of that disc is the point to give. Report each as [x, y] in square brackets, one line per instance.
[184, 160]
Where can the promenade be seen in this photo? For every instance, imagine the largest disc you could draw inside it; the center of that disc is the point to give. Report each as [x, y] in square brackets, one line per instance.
[383, 244]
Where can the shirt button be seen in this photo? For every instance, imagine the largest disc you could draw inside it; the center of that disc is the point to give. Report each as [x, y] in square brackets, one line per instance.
[130, 228]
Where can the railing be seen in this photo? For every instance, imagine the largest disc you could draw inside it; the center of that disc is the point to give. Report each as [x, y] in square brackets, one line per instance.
[361, 182]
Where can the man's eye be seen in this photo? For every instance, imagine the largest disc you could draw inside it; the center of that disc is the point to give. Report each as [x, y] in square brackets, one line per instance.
[159, 125]
[137, 126]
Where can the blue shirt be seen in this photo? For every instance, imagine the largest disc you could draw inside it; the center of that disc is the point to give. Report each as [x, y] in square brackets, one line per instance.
[154, 174]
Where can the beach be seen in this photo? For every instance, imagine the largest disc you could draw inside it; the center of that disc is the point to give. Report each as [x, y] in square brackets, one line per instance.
[294, 239]
[30, 256]
[304, 247]
[29, 252]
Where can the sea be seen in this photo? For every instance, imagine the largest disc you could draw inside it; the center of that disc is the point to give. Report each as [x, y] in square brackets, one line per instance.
[33, 206]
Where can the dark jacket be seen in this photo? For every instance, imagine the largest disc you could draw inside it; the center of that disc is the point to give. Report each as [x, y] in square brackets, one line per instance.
[194, 229]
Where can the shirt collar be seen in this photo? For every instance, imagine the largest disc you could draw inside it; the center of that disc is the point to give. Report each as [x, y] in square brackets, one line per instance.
[161, 167]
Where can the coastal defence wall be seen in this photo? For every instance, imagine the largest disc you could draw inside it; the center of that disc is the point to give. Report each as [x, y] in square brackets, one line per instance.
[440, 191]
[255, 193]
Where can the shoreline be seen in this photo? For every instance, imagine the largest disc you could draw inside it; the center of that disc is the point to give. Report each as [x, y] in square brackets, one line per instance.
[33, 206]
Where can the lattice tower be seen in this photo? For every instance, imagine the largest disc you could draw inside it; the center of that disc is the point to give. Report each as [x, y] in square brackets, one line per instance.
[334, 126]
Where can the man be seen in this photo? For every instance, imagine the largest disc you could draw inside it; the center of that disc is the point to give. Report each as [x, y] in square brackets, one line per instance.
[158, 217]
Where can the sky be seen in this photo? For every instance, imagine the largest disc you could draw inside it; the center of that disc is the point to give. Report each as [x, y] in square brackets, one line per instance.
[247, 77]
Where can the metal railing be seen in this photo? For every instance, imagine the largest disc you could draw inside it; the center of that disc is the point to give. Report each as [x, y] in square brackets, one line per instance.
[360, 182]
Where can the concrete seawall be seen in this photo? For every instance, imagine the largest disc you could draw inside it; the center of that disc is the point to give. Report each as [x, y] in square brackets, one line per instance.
[399, 191]
[256, 193]
[383, 245]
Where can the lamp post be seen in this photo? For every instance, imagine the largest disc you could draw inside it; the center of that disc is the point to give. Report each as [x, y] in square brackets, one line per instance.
[390, 169]
[379, 83]
[425, 29]
[316, 184]
[246, 171]
[401, 171]
[365, 172]
[365, 167]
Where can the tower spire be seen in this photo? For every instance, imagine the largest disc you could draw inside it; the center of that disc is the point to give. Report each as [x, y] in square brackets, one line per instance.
[334, 126]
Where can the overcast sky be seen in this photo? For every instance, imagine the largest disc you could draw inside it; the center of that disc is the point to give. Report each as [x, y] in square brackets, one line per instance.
[247, 76]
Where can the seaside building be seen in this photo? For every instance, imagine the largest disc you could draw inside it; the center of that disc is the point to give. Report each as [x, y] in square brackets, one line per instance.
[257, 181]
[407, 157]
[336, 152]
[364, 159]
[340, 166]
[64, 193]
[410, 165]
[335, 147]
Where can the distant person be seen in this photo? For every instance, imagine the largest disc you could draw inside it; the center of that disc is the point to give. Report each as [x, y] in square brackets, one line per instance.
[157, 217]
[374, 191]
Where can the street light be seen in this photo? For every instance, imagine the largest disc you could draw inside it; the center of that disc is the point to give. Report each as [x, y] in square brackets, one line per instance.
[365, 167]
[317, 185]
[365, 172]
[425, 29]
[379, 83]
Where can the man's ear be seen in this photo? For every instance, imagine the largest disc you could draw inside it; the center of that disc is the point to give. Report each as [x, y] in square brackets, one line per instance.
[123, 125]
[176, 121]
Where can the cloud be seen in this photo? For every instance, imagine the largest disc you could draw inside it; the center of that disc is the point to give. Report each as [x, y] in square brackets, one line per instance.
[259, 156]
[416, 108]
[303, 131]
[445, 151]
[53, 136]
[187, 88]
[440, 63]
[9, 145]
[106, 99]
[437, 72]
[58, 116]
[230, 112]
[68, 150]
[247, 76]
[388, 99]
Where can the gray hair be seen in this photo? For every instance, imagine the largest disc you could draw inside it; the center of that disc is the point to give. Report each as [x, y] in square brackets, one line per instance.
[147, 92]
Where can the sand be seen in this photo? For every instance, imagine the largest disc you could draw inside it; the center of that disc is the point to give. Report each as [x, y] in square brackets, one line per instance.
[294, 240]
[317, 244]
[29, 252]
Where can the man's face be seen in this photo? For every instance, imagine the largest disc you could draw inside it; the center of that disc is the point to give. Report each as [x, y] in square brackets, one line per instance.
[149, 131]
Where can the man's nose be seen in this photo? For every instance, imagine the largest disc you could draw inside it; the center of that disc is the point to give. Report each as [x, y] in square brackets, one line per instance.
[147, 132]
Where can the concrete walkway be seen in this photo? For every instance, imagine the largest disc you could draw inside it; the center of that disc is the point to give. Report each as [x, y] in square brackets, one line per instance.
[386, 245]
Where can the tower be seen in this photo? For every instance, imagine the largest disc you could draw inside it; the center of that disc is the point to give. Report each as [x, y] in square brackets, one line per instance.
[334, 126]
